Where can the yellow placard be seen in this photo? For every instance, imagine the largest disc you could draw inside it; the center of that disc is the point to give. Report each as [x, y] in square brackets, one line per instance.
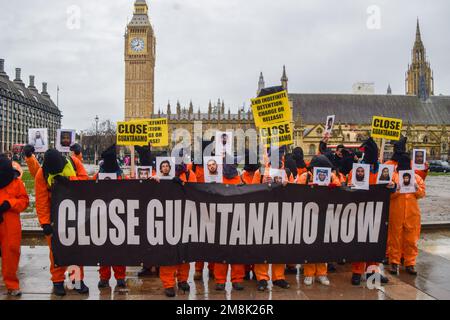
[386, 128]
[278, 134]
[132, 133]
[271, 109]
[158, 132]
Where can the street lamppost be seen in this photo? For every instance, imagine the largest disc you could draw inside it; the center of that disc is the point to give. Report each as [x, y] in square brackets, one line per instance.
[96, 138]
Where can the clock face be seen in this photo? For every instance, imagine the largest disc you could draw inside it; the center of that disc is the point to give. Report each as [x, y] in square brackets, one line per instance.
[137, 45]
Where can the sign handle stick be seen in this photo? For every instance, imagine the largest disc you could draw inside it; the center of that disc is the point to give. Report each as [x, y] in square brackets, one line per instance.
[132, 165]
[383, 144]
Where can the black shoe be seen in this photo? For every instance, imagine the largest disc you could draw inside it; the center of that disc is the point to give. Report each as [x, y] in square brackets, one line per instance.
[121, 283]
[184, 286]
[247, 276]
[394, 269]
[262, 285]
[145, 272]
[411, 270]
[331, 267]
[103, 284]
[220, 286]
[238, 286]
[356, 279]
[290, 270]
[282, 284]
[83, 288]
[58, 289]
[169, 292]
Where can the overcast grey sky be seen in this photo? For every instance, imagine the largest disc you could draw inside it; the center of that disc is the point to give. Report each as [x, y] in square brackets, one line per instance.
[210, 49]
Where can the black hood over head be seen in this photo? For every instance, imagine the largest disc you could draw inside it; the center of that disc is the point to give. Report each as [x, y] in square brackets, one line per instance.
[7, 171]
[145, 155]
[320, 161]
[346, 164]
[230, 171]
[298, 156]
[54, 162]
[404, 162]
[251, 167]
[399, 148]
[109, 157]
[370, 151]
[289, 163]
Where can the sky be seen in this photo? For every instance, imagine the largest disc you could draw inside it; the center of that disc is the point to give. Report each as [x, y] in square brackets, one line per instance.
[216, 49]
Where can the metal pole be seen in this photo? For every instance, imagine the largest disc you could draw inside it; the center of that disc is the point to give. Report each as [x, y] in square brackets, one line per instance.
[96, 139]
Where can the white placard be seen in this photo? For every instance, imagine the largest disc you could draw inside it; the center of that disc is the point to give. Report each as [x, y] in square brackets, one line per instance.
[165, 168]
[224, 143]
[385, 173]
[419, 159]
[407, 181]
[213, 169]
[107, 176]
[278, 176]
[322, 176]
[360, 176]
[143, 173]
[329, 124]
[64, 139]
[38, 138]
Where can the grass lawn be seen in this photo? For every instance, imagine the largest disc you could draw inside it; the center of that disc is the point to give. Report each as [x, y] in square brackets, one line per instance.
[29, 185]
[436, 174]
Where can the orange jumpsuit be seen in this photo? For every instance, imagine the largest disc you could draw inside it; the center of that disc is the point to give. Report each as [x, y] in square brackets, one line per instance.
[78, 156]
[43, 205]
[180, 272]
[404, 224]
[221, 269]
[105, 271]
[11, 231]
[33, 165]
[361, 267]
[315, 269]
[262, 269]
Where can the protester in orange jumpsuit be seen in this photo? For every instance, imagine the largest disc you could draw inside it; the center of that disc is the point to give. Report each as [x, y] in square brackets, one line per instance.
[262, 269]
[169, 275]
[299, 161]
[15, 164]
[56, 169]
[13, 200]
[230, 176]
[370, 157]
[319, 270]
[110, 165]
[76, 151]
[404, 221]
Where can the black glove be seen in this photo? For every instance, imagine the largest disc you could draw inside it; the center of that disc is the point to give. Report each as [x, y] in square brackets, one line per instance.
[28, 150]
[177, 180]
[5, 206]
[48, 229]
[61, 179]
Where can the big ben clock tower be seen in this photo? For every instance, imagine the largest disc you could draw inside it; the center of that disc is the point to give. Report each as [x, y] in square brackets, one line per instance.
[140, 51]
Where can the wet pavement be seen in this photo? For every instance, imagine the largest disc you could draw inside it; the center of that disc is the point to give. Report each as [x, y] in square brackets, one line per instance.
[433, 281]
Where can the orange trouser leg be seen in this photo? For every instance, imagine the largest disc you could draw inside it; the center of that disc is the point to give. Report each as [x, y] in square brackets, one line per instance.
[315, 269]
[395, 243]
[220, 272]
[262, 271]
[10, 238]
[237, 272]
[211, 266]
[105, 272]
[58, 273]
[167, 276]
[119, 272]
[183, 272]
[363, 267]
[410, 250]
[278, 272]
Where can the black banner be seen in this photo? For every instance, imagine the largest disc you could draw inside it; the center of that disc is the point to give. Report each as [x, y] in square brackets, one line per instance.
[130, 222]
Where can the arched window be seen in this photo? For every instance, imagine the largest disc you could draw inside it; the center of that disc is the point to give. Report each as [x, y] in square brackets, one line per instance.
[312, 149]
[425, 139]
[319, 131]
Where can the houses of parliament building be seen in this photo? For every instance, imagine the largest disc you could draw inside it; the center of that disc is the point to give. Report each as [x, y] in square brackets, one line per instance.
[426, 117]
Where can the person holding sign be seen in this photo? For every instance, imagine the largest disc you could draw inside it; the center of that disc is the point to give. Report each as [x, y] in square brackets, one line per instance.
[56, 169]
[319, 270]
[111, 166]
[404, 218]
[230, 176]
[13, 200]
[370, 158]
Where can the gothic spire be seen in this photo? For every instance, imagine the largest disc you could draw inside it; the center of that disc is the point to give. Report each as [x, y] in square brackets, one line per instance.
[284, 79]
